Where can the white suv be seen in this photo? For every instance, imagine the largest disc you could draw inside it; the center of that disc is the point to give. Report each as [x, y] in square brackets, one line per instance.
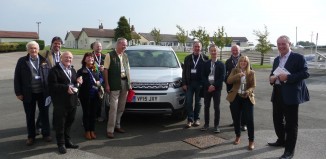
[156, 75]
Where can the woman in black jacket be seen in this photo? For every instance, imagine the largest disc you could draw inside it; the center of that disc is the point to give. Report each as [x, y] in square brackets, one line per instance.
[88, 93]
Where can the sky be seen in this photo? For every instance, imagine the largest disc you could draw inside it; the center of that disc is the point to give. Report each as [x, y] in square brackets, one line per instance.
[300, 20]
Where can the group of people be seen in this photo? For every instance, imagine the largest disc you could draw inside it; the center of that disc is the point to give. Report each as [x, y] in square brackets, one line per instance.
[44, 78]
[203, 77]
[50, 77]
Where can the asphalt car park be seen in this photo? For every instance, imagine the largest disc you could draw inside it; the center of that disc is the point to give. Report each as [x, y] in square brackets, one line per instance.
[160, 136]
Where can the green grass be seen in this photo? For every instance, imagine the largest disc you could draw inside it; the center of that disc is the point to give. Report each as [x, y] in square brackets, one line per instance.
[181, 55]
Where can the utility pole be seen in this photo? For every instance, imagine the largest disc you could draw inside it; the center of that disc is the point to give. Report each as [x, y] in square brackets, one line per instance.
[38, 29]
[312, 34]
[296, 36]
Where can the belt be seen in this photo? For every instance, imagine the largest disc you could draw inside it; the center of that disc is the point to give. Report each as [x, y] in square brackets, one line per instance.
[124, 78]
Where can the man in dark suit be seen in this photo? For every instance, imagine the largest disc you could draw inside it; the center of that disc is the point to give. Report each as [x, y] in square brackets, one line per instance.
[63, 85]
[30, 84]
[289, 90]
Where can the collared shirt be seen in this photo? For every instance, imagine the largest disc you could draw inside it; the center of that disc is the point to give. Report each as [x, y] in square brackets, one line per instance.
[282, 62]
[56, 57]
[107, 62]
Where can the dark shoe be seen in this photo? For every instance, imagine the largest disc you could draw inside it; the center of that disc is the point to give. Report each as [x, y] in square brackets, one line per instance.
[287, 155]
[189, 124]
[62, 149]
[244, 128]
[216, 129]
[70, 145]
[204, 128]
[196, 123]
[38, 131]
[276, 144]
[47, 139]
[110, 135]
[119, 130]
[29, 141]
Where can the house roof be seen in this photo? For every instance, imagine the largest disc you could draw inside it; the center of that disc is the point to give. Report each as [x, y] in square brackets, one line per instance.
[101, 33]
[165, 37]
[18, 34]
[75, 34]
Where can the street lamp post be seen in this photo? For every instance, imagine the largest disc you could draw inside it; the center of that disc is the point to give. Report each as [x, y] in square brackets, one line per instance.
[38, 29]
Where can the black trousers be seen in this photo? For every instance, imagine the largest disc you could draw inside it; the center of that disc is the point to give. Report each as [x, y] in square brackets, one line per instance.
[63, 117]
[30, 108]
[216, 95]
[238, 106]
[89, 106]
[285, 118]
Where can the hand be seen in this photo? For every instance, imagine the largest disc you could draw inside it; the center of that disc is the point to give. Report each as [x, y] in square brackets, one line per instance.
[211, 88]
[80, 80]
[107, 88]
[283, 77]
[98, 83]
[20, 97]
[70, 90]
[101, 68]
[241, 74]
[272, 79]
[184, 87]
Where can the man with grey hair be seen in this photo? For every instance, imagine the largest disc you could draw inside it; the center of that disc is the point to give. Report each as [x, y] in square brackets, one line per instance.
[289, 90]
[117, 84]
[30, 84]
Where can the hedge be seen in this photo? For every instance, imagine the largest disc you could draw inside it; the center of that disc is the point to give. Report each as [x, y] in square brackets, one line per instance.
[18, 46]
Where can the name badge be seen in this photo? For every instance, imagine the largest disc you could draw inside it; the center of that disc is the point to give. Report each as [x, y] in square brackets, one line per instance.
[211, 77]
[37, 77]
[193, 70]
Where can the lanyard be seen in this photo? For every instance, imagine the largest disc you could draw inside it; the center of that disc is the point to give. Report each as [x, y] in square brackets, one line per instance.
[195, 63]
[89, 71]
[66, 72]
[212, 67]
[98, 60]
[36, 69]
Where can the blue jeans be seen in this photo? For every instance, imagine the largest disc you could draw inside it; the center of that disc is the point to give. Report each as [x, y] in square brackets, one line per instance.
[216, 95]
[238, 106]
[193, 113]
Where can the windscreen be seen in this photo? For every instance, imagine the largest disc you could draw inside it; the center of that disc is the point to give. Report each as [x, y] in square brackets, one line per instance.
[152, 58]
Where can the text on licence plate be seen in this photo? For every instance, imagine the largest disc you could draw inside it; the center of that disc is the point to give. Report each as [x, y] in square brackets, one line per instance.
[147, 99]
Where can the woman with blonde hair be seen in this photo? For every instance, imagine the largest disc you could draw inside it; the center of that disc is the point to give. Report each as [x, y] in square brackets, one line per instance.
[242, 98]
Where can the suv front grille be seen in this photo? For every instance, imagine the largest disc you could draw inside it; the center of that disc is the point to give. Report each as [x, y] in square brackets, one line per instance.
[150, 86]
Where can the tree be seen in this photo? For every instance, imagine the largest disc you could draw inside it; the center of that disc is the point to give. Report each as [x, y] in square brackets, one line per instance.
[202, 36]
[135, 38]
[306, 43]
[123, 29]
[221, 39]
[182, 37]
[156, 36]
[263, 45]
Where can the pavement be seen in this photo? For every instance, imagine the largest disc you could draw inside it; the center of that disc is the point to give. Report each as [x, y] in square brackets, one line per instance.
[160, 136]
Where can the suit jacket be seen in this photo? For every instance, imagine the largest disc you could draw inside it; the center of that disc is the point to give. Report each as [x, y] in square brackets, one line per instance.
[84, 89]
[294, 90]
[23, 77]
[219, 74]
[49, 56]
[186, 71]
[234, 79]
[58, 86]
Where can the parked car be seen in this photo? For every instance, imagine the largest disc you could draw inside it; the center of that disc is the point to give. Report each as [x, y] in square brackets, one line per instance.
[156, 75]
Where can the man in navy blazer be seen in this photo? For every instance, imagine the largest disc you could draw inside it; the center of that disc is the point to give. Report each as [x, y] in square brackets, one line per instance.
[289, 90]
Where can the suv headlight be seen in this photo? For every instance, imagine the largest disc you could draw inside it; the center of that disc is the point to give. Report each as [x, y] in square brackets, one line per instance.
[175, 84]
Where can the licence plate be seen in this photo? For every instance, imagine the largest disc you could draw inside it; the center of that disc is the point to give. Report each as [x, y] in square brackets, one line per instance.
[147, 99]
